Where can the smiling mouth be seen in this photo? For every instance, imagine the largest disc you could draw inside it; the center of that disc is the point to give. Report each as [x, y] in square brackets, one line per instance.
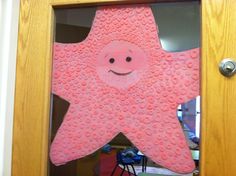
[120, 74]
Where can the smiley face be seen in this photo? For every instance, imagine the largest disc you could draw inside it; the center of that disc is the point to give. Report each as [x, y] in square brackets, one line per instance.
[121, 64]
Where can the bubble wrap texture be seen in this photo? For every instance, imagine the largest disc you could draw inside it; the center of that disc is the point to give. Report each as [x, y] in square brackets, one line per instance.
[138, 98]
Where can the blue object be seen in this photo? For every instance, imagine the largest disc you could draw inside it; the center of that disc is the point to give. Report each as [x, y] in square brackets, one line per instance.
[127, 158]
[106, 148]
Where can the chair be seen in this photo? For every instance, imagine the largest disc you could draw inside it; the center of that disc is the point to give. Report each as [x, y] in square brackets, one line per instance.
[125, 159]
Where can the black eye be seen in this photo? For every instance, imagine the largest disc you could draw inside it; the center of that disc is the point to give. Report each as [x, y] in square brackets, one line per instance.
[128, 59]
[111, 60]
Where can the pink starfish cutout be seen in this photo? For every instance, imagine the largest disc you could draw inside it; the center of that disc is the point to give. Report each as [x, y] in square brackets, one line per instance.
[119, 79]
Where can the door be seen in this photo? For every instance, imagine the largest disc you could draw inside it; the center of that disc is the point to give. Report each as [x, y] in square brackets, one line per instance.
[33, 86]
[218, 92]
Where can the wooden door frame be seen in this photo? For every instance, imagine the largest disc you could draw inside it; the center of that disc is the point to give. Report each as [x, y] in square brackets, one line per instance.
[33, 83]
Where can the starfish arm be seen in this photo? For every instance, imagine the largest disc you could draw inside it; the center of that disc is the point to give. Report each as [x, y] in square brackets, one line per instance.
[163, 141]
[60, 72]
[128, 23]
[79, 135]
[66, 67]
[185, 74]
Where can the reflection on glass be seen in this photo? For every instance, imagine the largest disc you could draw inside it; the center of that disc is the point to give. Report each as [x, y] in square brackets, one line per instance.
[178, 30]
[189, 118]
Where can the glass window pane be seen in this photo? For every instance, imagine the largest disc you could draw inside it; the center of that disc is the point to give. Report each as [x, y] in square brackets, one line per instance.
[179, 29]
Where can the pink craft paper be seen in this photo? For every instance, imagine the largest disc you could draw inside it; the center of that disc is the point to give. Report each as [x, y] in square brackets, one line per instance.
[119, 79]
